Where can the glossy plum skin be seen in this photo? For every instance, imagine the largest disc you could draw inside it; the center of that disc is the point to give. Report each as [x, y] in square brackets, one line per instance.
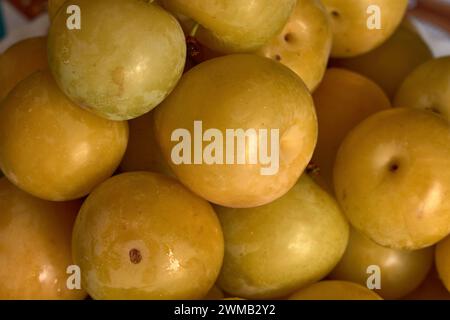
[35, 242]
[142, 235]
[342, 100]
[392, 180]
[401, 270]
[50, 147]
[125, 59]
[272, 250]
[305, 42]
[349, 20]
[335, 290]
[21, 60]
[234, 26]
[240, 92]
[427, 88]
[389, 64]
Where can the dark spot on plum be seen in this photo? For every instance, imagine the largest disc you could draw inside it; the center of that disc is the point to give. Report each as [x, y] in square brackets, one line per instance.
[277, 57]
[434, 109]
[393, 167]
[135, 256]
[335, 14]
[289, 37]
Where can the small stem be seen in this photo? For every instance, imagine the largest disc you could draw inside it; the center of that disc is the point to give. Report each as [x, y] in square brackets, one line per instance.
[312, 169]
[194, 30]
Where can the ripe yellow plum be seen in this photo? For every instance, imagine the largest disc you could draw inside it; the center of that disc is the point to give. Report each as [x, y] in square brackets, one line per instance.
[234, 26]
[262, 124]
[35, 242]
[142, 235]
[389, 64]
[305, 42]
[355, 24]
[124, 60]
[427, 88]
[143, 152]
[392, 180]
[50, 147]
[21, 60]
[342, 100]
[272, 250]
[335, 290]
[401, 271]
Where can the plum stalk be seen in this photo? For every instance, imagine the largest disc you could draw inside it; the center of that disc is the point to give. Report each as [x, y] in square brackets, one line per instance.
[194, 49]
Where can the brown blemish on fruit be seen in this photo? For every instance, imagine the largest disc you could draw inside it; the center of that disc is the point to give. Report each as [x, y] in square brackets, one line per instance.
[135, 256]
[393, 167]
[277, 57]
[434, 109]
[335, 14]
[118, 77]
[289, 37]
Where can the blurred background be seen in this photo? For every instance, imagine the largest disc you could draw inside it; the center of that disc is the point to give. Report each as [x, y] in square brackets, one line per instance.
[21, 19]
